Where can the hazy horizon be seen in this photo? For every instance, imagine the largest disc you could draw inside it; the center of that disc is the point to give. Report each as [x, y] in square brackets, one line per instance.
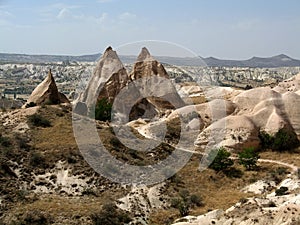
[222, 29]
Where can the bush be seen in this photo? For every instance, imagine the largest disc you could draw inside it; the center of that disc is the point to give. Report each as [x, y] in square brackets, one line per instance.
[39, 121]
[102, 110]
[266, 140]
[248, 158]
[278, 174]
[197, 200]
[185, 201]
[30, 104]
[36, 159]
[283, 140]
[35, 217]
[221, 161]
[233, 172]
[110, 215]
[281, 191]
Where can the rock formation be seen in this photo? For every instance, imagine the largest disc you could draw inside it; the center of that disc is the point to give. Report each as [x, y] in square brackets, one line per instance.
[258, 109]
[108, 79]
[154, 81]
[133, 94]
[47, 93]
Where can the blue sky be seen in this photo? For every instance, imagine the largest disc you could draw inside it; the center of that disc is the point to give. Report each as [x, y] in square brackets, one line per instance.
[232, 29]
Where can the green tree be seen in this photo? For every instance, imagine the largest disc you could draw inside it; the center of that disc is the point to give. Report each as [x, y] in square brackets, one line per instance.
[285, 140]
[102, 110]
[221, 161]
[248, 158]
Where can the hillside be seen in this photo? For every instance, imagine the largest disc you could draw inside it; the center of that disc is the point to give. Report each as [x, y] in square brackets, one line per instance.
[53, 170]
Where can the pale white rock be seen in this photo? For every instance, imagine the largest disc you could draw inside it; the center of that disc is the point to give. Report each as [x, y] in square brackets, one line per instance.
[233, 132]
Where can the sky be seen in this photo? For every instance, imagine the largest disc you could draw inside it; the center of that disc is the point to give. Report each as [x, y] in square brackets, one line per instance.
[227, 29]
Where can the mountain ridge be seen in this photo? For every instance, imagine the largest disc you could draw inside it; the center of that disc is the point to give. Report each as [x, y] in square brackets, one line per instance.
[280, 60]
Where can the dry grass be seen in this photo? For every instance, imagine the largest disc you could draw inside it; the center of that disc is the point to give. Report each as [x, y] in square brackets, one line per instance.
[68, 207]
[217, 190]
[286, 157]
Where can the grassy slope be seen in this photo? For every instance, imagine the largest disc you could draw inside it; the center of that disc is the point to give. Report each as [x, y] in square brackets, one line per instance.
[58, 143]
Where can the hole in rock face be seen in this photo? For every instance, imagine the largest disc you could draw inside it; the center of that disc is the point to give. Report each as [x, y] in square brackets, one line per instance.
[142, 109]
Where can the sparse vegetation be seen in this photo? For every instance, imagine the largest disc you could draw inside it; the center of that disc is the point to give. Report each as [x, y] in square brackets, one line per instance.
[185, 201]
[35, 217]
[110, 215]
[36, 159]
[39, 121]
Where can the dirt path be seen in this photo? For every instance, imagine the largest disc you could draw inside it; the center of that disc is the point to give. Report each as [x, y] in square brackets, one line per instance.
[291, 166]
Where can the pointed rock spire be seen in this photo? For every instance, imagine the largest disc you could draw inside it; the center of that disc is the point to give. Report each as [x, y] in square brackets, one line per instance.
[148, 69]
[108, 79]
[144, 55]
[47, 93]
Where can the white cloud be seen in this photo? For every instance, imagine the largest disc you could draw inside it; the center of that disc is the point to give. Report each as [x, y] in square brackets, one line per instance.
[5, 14]
[64, 13]
[127, 16]
[102, 18]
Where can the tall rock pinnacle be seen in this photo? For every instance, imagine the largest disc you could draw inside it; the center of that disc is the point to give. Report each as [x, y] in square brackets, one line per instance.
[108, 79]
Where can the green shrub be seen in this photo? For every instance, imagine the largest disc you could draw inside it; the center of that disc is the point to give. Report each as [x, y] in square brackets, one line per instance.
[102, 110]
[110, 215]
[248, 158]
[30, 104]
[38, 121]
[221, 161]
[283, 140]
[281, 191]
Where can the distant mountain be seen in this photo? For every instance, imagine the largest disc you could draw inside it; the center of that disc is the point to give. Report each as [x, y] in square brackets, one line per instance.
[270, 62]
[275, 61]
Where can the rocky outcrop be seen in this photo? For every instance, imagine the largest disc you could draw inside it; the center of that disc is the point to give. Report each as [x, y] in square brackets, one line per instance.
[233, 132]
[46, 93]
[255, 110]
[153, 80]
[289, 85]
[108, 79]
[147, 91]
